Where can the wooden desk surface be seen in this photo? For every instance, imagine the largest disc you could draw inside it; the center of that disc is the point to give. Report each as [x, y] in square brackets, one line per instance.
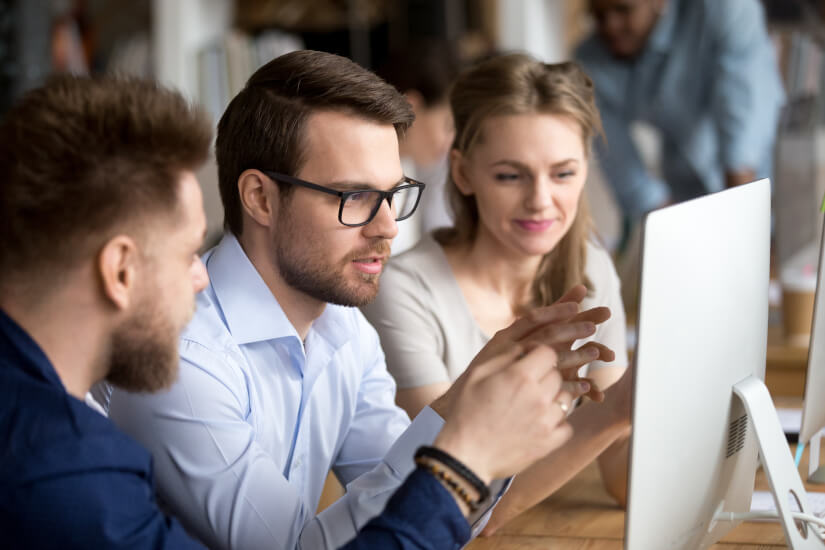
[581, 516]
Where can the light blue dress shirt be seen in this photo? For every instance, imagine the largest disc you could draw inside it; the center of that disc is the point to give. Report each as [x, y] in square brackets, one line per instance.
[708, 80]
[245, 438]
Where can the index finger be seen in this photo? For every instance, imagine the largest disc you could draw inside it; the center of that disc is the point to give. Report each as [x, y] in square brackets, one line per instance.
[560, 311]
[575, 294]
[595, 315]
[539, 361]
[483, 366]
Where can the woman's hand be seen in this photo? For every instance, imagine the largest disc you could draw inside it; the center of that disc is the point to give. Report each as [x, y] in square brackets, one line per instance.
[559, 325]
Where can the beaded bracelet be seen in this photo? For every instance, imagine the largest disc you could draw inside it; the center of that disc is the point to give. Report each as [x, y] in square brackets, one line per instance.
[447, 479]
[457, 467]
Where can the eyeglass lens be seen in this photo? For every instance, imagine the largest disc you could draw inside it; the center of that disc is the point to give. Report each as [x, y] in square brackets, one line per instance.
[360, 207]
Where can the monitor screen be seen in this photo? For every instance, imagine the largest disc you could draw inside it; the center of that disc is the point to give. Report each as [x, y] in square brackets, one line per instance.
[813, 408]
[703, 319]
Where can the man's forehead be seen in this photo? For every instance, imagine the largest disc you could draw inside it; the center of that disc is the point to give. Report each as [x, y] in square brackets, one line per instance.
[324, 126]
[343, 147]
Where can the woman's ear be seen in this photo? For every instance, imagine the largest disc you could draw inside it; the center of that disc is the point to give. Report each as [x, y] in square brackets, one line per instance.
[458, 172]
[257, 196]
[118, 264]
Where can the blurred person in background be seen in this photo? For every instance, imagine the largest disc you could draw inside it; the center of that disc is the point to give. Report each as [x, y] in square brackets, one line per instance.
[703, 74]
[522, 240]
[423, 71]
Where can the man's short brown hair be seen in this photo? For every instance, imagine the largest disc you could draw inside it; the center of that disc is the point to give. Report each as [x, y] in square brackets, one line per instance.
[263, 125]
[81, 157]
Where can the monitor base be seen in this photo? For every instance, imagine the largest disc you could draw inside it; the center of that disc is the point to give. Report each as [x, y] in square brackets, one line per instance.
[818, 476]
[777, 462]
[816, 471]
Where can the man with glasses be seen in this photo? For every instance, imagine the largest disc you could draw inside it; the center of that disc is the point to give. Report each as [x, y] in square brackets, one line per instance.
[359, 207]
[281, 377]
[102, 290]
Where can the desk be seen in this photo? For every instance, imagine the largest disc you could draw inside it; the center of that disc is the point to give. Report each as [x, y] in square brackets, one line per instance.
[581, 516]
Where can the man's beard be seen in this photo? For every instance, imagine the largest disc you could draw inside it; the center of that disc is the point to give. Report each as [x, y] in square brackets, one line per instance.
[303, 268]
[144, 352]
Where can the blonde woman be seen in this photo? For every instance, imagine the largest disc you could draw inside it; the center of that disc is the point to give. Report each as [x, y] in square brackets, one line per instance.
[521, 241]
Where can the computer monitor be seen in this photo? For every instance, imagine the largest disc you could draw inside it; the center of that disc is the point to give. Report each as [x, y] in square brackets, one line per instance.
[700, 410]
[813, 407]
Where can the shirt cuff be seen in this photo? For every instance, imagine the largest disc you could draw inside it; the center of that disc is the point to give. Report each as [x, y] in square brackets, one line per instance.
[422, 431]
[479, 519]
[422, 512]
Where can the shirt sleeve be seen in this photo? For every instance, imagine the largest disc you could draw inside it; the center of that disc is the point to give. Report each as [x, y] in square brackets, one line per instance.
[378, 422]
[636, 191]
[93, 509]
[226, 489]
[747, 90]
[421, 515]
[411, 334]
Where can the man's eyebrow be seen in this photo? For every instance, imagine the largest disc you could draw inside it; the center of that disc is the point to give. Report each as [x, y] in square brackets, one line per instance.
[351, 185]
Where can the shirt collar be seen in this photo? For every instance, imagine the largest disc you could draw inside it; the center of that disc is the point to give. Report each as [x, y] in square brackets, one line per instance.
[18, 348]
[661, 38]
[250, 310]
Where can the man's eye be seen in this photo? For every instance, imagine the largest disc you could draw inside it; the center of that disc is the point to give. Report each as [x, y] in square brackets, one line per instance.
[359, 197]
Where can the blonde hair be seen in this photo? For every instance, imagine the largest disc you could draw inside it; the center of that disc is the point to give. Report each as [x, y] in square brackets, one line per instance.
[518, 84]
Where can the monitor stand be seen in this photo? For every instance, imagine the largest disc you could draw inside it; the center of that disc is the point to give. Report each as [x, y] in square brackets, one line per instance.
[816, 471]
[777, 462]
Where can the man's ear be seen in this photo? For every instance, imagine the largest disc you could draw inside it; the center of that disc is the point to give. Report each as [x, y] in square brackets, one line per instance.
[118, 264]
[257, 196]
[457, 172]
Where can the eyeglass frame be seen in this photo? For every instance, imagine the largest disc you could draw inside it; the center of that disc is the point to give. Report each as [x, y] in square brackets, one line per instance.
[344, 195]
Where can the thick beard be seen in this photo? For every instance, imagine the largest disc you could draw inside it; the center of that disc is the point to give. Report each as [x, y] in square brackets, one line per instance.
[144, 353]
[303, 269]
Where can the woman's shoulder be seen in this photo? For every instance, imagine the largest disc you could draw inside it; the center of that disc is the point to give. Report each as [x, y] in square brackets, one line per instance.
[601, 272]
[599, 262]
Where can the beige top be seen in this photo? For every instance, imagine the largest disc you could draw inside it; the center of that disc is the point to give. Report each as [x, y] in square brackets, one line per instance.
[426, 328]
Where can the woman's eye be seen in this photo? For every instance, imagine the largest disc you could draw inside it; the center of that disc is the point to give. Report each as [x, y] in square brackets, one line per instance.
[507, 176]
[567, 174]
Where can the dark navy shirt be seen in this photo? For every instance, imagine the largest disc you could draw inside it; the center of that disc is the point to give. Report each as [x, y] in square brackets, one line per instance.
[70, 479]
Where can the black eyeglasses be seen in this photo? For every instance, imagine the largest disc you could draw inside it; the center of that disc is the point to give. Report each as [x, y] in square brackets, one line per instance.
[359, 207]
